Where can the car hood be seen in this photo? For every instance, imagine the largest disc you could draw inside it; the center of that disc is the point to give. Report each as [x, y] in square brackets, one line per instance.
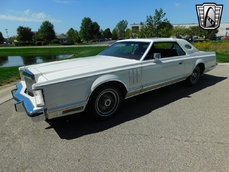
[80, 67]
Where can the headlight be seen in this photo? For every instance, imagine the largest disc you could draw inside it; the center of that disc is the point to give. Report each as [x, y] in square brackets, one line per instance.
[38, 98]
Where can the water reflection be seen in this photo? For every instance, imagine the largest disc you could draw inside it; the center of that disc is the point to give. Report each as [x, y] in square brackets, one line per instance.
[3, 60]
[7, 61]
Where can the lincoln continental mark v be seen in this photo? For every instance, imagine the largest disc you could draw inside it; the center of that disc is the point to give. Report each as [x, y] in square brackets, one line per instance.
[99, 84]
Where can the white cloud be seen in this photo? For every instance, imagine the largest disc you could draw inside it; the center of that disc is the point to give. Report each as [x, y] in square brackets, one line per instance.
[27, 12]
[27, 16]
[179, 5]
[63, 1]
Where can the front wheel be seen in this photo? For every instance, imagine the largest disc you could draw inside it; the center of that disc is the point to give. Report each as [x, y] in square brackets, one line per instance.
[194, 77]
[105, 102]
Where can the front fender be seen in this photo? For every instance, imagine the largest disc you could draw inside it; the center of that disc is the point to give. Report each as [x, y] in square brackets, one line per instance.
[105, 79]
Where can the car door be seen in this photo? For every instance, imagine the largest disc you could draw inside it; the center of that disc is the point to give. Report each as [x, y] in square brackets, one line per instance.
[172, 68]
[165, 70]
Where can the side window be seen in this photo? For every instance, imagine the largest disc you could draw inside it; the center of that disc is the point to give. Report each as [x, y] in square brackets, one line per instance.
[180, 51]
[167, 49]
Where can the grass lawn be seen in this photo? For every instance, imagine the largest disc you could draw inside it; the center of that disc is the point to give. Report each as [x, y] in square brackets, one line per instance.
[8, 75]
[222, 58]
[78, 51]
[220, 47]
[11, 74]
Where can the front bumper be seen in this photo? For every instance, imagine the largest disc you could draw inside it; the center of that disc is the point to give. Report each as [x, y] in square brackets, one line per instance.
[26, 103]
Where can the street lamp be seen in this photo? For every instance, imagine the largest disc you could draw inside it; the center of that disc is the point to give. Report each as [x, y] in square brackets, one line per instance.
[7, 33]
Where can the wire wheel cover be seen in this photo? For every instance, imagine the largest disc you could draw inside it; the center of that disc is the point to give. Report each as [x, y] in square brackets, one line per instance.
[107, 102]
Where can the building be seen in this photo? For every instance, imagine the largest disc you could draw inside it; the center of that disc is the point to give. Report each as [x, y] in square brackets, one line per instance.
[136, 27]
[62, 38]
[223, 29]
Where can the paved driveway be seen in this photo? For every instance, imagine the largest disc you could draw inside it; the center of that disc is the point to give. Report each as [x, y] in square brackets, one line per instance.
[176, 128]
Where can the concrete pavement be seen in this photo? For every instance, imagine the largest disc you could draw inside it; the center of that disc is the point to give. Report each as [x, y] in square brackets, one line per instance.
[5, 94]
[175, 128]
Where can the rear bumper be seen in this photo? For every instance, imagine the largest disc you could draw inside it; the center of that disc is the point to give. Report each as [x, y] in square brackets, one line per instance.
[26, 103]
[211, 67]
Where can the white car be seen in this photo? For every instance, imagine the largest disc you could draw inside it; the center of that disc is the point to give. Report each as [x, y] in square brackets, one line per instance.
[99, 84]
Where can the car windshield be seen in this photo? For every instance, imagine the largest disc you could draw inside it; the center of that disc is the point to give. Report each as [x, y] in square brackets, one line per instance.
[129, 50]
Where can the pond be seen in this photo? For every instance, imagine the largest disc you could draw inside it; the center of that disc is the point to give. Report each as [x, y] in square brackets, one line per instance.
[9, 61]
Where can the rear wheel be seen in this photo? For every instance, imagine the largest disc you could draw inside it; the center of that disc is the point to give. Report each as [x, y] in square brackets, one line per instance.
[105, 102]
[194, 77]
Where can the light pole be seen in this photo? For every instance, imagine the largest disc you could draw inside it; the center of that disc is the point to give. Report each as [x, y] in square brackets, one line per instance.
[7, 33]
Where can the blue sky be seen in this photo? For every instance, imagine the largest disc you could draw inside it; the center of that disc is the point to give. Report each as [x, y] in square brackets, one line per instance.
[66, 14]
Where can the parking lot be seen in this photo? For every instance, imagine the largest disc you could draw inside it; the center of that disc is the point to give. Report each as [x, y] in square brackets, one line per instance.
[175, 128]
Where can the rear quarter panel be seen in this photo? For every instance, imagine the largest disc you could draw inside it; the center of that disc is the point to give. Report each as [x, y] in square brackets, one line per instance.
[192, 60]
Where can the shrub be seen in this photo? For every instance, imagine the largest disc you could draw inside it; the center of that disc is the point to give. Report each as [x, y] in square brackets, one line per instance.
[217, 46]
[67, 43]
[203, 46]
[24, 43]
[38, 43]
[45, 42]
[55, 41]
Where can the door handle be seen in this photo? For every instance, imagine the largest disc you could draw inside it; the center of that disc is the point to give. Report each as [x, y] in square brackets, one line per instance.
[180, 63]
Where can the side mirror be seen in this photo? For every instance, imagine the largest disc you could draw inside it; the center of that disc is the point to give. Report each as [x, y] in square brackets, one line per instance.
[156, 56]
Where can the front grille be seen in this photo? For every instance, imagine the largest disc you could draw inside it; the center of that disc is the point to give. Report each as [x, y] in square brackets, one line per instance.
[29, 80]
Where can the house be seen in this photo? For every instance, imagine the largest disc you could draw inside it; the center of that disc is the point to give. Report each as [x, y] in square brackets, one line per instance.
[62, 38]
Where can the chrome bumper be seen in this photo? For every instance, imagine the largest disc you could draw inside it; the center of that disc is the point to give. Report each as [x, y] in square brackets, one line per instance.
[24, 104]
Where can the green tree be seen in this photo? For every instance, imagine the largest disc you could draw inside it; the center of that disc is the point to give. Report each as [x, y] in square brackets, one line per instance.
[24, 34]
[165, 29]
[128, 33]
[46, 32]
[89, 30]
[180, 31]
[143, 33]
[95, 30]
[73, 35]
[160, 22]
[157, 25]
[196, 31]
[211, 34]
[12, 38]
[149, 29]
[114, 34]
[1, 38]
[107, 33]
[78, 39]
[85, 29]
[121, 27]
